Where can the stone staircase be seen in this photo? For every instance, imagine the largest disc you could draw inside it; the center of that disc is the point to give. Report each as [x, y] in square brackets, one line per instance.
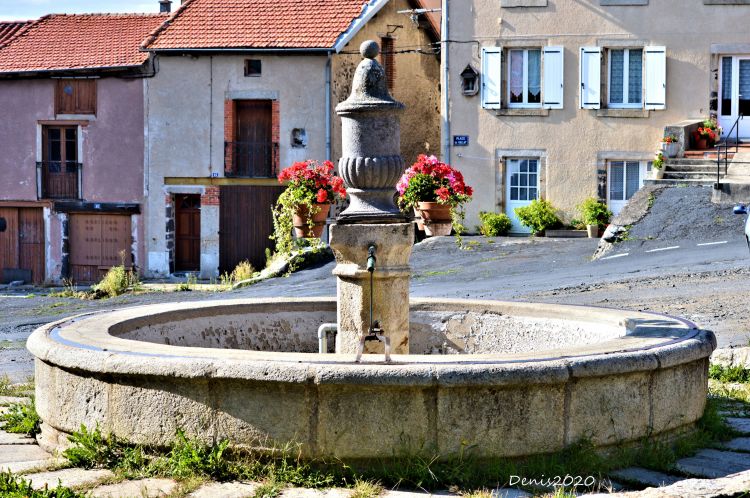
[690, 170]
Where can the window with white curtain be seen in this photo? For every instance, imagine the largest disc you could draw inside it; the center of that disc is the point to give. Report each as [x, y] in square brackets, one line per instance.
[626, 78]
[525, 78]
[624, 180]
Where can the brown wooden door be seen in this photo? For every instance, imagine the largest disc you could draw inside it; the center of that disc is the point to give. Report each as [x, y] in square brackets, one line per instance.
[97, 243]
[187, 233]
[245, 223]
[254, 140]
[22, 243]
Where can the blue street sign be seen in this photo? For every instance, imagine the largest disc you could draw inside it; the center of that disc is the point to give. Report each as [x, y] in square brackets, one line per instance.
[460, 140]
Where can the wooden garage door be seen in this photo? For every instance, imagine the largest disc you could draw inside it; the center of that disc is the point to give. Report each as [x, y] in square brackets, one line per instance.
[22, 244]
[97, 243]
[245, 225]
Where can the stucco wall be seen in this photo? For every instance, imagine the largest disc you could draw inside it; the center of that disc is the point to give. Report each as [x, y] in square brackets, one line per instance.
[185, 119]
[575, 140]
[417, 80]
[111, 141]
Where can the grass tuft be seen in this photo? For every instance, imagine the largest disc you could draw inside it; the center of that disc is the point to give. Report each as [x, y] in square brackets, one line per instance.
[16, 487]
[366, 489]
[729, 374]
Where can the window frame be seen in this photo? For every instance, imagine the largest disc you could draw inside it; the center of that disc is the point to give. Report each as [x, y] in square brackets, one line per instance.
[525, 104]
[644, 167]
[626, 79]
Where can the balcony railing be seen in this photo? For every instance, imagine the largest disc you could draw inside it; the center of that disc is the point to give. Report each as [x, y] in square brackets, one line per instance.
[250, 160]
[59, 179]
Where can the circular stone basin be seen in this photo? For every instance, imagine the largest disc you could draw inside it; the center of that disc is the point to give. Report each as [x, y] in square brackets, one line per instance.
[512, 378]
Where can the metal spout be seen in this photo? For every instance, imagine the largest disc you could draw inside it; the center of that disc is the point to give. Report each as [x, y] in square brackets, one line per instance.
[371, 260]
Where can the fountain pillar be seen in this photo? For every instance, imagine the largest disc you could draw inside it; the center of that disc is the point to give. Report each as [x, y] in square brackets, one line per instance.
[371, 165]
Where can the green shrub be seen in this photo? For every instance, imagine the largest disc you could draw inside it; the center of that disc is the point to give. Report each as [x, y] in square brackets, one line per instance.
[538, 216]
[493, 224]
[116, 282]
[22, 418]
[594, 212]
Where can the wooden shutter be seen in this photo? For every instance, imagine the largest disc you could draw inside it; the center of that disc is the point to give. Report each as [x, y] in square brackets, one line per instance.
[553, 78]
[75, 96]
[591, 77]
[492, 77]
[655, 77]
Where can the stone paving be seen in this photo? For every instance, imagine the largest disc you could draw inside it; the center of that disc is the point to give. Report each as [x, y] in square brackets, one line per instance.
[715, 472]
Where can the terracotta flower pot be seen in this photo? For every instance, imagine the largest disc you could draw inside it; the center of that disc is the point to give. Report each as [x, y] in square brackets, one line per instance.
[301, 221]
[437, 218]
[699, 142]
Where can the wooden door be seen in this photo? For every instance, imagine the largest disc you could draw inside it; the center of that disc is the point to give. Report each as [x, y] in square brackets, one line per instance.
[254, 140]
[245, 224]
[97, 243]
[187, 233]
[22, 244]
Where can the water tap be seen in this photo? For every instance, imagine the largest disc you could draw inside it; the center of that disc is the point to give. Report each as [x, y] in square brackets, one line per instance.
[371, 259]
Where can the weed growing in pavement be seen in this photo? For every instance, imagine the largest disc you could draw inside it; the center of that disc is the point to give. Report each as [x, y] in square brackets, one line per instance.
[270, 489]
[69, 291]
[366, 489]
[651, 200]
[189, 284]
[116, 282]
[729, 374]
[17, 487]
[22, 418]
[7, 388]
[732, 399]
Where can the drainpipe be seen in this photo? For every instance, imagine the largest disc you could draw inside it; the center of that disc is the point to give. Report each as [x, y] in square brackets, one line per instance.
[323, 336]
[445, 84]
[328, 106]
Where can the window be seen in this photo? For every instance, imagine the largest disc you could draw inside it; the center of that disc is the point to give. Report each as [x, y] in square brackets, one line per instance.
[525, 78]
[534, 78]
[636, 78]
[253, 67]
[624, 180]
[75, 96]
[59, 168]
[626, 78]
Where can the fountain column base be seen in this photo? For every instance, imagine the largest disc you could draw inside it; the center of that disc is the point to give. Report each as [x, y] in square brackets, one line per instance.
[350, 244]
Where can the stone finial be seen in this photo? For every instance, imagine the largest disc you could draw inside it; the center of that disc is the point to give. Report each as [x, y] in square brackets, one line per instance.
[371, 162]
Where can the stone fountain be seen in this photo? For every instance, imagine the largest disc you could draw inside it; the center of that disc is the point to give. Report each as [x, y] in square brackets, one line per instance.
[513, 379]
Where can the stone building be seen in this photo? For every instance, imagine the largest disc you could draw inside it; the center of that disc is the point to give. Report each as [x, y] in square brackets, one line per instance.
[243, 89]
[566, 99]
[72, 136]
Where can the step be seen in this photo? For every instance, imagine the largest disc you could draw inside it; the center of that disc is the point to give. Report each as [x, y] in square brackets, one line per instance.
[685, 181]
[225, 490]
[69, 478]
[739, 424]
[714, 463]
[142, 488]
[738, 444]
[690, 176]
[702, 165]
[645, 477]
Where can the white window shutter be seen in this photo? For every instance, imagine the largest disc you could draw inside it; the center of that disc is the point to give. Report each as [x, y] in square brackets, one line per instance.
[591, 77]
[492, 77]
[553, 78]
[655, 76]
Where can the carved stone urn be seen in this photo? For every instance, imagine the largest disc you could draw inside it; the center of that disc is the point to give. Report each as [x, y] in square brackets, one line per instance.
[371, 162]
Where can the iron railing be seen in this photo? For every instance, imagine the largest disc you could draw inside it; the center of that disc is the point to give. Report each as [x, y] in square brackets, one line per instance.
[250, 159]
[725, 144]
[59, 180]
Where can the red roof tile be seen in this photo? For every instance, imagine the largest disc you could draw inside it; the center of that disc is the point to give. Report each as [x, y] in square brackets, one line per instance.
[9, 29]
[60, 42]
[201, 24]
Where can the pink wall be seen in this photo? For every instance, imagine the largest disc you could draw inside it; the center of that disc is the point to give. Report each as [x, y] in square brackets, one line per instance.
[112, 142]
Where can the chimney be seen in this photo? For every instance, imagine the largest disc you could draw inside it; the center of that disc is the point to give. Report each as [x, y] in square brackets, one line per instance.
[165, 6]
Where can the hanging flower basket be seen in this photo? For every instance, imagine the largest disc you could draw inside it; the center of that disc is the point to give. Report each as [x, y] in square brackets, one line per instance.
[307, 225]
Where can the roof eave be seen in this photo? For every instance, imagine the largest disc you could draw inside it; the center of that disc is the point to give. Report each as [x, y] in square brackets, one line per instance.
[370, 10]
[81, 71]
[238, 50]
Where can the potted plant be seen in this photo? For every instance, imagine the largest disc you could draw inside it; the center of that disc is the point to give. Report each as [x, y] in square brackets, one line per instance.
[657, 166]
[437, 191]
[670, 145]
[595, 215]
[706, 136]
[311, 189]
